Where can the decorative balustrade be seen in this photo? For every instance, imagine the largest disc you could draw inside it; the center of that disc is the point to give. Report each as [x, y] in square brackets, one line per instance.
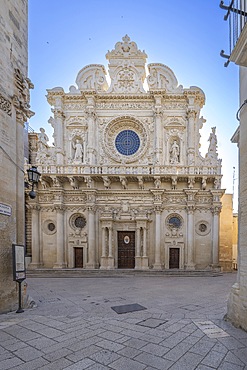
[129, 170]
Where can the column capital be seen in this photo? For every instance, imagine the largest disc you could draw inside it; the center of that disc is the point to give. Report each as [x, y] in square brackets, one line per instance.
[58, 113]
[216, 210]
[59, 208]
[190, 208]
[191, 114]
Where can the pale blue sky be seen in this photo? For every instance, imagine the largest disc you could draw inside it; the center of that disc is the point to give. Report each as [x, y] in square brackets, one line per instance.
[187, 36]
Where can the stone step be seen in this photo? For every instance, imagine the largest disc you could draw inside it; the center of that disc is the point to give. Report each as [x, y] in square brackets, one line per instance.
[80, 273]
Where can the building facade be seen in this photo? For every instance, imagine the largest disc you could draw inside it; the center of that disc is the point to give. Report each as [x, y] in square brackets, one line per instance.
[228, 235]
[124, 185]
[237, 15]
[14, 113]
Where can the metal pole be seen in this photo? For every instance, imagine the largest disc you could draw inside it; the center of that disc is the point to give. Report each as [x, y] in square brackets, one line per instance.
[20, 310]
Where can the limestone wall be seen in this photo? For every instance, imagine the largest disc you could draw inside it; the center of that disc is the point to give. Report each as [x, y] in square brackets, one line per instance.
[13, 114]
[226, 233]
[237, 303]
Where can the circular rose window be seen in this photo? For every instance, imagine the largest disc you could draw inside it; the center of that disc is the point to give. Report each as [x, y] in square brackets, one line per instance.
[127, 142]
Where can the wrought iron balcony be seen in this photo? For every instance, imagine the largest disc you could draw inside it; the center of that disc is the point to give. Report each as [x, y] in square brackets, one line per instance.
[237, 17]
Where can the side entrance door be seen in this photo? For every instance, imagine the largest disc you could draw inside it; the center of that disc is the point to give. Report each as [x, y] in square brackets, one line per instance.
[126, 249]
[78, 257]
[174, 258]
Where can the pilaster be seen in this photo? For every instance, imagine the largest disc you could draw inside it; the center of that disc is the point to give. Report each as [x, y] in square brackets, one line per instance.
[36, 258]
[59, 208]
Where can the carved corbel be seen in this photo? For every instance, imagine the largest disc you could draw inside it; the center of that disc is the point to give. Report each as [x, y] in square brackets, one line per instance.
[107, 182]
[204, 183]
[174, 181]
[191, 182]
[74, 183]
[89, 182]
[123, 181]
[141, 183]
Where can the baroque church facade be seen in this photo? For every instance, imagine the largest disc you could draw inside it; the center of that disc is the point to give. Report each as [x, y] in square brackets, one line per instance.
[124, 184]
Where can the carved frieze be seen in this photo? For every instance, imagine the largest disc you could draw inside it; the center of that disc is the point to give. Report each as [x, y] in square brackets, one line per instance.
[124, 105]
[74, 106]
[74, 198]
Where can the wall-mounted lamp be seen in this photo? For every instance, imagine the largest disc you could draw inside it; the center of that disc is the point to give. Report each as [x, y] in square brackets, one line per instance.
[33, 178]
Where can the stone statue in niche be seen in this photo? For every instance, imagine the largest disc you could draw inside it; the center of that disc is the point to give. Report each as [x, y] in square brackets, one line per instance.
[78, 155]
[174, 152]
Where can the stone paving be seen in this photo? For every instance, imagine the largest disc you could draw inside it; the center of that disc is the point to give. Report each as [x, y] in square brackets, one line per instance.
[74, 327]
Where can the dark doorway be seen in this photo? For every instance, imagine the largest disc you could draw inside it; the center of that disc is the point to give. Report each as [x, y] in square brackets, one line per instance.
[78, 257]
[126, 249]
[174, 258]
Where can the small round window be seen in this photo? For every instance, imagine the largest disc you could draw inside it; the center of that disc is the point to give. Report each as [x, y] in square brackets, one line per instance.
[51, 226]
[202, 228]
[80, 222]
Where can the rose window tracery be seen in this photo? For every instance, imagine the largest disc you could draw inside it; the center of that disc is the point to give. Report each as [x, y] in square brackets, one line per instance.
[127, 142]
[125, 138]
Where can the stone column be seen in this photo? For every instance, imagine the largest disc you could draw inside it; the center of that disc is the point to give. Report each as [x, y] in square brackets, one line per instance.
[190, 265]
[103, 256]
[157, 260]
[35, 237]
[144, 242]
[60, 237]
[92, 132]
[191, 136]
[138, 242]
[215, 242]
[110, 256]
[144, 253]
[103, 241]
[158, 129]
[58, 135]
[91, 264]
[110, 242]
[138, 248]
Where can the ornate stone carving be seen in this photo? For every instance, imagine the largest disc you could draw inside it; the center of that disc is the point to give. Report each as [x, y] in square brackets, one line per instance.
[124, 105]
[5, 105]
[92, 77]
[21, 98]
[89, 182]
[74, 183]
[174, 181]
[123, 181]
[191, 182]
[107, 182]
[162, 77]
[141, 183]
[126, 68]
